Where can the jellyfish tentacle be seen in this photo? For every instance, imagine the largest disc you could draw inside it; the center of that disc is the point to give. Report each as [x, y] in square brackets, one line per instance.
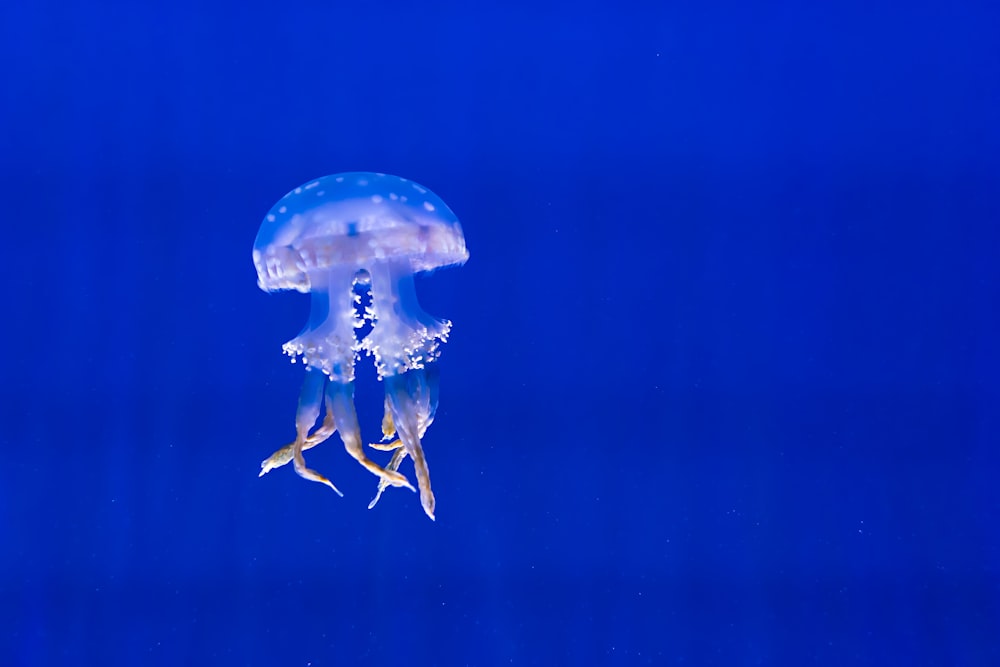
[386, 446]
[299, 463]
[395, 446]
[340, 402]
[323, 431]
[422, 387]
[404, 401]
[320, 435]
[310, 400]
[388, 428]
[397, 458]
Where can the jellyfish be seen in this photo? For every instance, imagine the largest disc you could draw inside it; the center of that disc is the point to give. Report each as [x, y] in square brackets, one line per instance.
[354, 242]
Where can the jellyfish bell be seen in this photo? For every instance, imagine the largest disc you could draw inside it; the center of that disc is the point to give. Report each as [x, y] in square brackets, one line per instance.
[337, 237]
[353, 220]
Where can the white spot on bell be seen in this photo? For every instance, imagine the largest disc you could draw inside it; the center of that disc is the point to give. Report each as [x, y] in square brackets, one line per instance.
[428, 206]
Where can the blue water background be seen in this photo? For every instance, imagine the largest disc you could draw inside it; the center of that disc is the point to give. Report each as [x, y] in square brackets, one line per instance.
[722, 387]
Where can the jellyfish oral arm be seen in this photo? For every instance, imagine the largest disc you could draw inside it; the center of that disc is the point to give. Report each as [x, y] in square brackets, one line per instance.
[404, 336]
[405, 341]
[327, 343]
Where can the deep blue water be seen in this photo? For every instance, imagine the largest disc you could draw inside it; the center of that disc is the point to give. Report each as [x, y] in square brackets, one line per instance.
[722, 387]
